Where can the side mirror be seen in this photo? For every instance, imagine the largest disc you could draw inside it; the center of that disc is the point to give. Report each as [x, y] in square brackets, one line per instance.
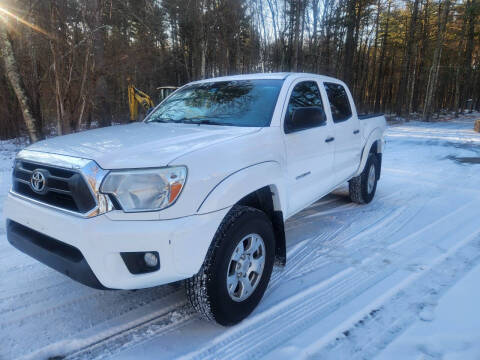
[305, 118]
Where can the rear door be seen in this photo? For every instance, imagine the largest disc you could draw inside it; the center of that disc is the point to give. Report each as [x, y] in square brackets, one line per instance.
[309, 155]
[346, 131]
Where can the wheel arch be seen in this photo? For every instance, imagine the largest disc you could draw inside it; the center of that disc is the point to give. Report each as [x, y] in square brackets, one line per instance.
[239, 184]
[265, 199]
[374, 144]
[252, 186]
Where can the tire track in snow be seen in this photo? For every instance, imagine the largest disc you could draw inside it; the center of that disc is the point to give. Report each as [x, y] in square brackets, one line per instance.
[109, 342]
[381, 316]
[324, 256]
[115, 304]
[316, 252]
[118, 331]
[296, 313]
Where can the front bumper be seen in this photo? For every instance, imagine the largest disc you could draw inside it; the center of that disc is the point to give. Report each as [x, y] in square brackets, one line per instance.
[56, 254]
[181, 244]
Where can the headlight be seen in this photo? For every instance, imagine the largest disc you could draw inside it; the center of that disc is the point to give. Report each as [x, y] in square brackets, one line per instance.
[145, 190]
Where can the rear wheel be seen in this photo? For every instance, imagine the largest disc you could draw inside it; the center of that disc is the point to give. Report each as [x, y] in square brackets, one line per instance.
[362, 187]
[237, 267]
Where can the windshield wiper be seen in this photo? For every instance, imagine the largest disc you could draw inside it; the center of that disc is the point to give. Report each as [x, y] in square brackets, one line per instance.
[200, 121]
[161, 120]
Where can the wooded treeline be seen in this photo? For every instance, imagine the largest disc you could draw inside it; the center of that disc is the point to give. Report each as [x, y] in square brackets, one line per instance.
[66, 62]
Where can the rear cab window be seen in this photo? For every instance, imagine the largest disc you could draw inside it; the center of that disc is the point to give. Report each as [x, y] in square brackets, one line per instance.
[339, 102]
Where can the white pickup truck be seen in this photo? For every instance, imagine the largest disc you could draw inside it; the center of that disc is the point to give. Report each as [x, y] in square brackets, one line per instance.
[199, 191]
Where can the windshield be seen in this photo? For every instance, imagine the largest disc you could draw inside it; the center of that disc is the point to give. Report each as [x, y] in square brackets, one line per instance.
[232, 103]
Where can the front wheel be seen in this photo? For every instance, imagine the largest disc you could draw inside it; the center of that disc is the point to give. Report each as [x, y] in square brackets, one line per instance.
[237, 267]
[362, 187]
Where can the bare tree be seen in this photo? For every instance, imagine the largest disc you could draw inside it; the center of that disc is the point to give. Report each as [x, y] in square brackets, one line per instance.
[16, 82]
[381, 69]
[434, 69]
[102, 104]
[406, 68]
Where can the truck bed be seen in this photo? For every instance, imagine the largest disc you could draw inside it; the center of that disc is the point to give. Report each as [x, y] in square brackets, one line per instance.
[368, 116]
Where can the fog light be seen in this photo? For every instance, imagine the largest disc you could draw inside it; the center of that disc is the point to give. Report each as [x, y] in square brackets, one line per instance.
[150, 259]
[141, 262]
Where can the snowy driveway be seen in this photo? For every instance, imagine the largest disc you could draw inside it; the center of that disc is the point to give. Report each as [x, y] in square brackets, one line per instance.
[356, 276]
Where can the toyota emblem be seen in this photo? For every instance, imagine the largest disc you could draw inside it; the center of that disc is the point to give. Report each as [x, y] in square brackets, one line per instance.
[38, 181]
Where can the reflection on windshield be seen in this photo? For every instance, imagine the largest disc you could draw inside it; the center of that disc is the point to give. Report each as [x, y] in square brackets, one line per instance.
[233, 103]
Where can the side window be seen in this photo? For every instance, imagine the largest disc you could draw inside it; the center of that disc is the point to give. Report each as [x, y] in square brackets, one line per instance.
[306, 96]
[339, 103]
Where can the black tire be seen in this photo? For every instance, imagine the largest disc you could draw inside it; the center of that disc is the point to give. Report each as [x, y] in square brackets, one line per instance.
[207, 291]
[358, 186]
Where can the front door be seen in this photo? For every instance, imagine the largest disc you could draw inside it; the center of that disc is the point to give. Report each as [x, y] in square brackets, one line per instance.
[309, 149]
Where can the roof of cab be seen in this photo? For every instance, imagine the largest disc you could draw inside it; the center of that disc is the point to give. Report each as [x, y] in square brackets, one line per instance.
[267, 76]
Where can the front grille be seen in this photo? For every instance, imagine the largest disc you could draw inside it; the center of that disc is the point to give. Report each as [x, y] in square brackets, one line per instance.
[65, 188]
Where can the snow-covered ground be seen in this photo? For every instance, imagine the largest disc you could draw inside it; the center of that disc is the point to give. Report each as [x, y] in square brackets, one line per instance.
[449, 328]
[397, 278]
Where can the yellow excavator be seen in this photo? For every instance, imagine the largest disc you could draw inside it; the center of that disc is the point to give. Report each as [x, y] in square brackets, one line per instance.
[137, 97]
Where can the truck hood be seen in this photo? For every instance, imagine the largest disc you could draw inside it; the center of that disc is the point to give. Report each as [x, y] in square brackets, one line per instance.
[140, 144]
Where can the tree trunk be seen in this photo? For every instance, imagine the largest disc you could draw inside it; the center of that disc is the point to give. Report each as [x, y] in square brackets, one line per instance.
[381, 70]
[349, 43]
[83, 93]
[16, 82]
[434, 70]
[315, 12]
[407, 61]
[102, 104]
[472, 9]
[296, 33]
[418, 96]
[411, 84]
[33, 83]
[371, 90]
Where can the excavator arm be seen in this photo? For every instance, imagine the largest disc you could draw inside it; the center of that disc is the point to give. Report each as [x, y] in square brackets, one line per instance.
[136, 97]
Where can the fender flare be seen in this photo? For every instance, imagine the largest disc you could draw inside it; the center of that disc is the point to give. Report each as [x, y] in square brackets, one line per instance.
[242, 182]
[375, 136]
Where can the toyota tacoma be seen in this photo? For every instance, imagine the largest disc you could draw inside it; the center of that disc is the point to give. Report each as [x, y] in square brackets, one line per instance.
[199, 191]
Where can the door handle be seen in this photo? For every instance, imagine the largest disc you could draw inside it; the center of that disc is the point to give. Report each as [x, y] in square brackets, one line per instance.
[355, 132]
[327, 140]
